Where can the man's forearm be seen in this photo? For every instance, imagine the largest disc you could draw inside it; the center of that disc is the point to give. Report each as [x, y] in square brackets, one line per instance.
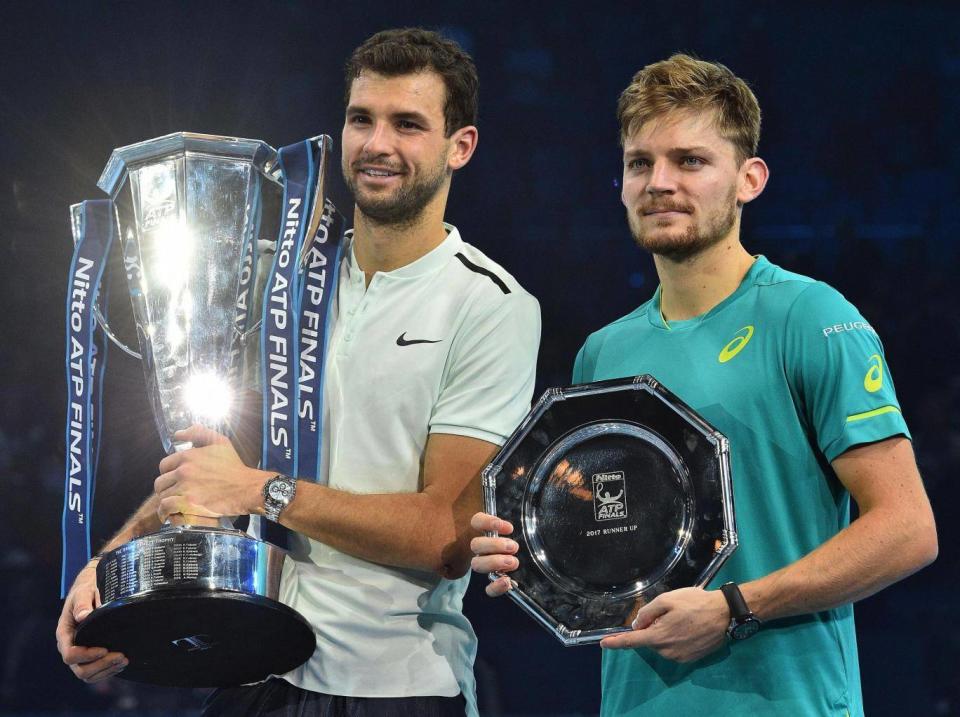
[410, 530]
[144, 520]
[862, 559]
[428, 529]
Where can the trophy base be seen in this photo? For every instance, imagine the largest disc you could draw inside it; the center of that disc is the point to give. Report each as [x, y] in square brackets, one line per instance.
[196, 607]
[197, 638]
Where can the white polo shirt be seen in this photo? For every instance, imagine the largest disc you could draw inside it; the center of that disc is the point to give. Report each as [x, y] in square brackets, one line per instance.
[446, 344]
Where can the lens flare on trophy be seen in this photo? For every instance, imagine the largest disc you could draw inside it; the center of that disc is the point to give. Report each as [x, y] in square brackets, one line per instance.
[174, 333]
[173, 254]
[209, 397]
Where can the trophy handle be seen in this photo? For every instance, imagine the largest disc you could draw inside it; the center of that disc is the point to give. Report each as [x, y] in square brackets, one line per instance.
[76, 217]
[109, 332]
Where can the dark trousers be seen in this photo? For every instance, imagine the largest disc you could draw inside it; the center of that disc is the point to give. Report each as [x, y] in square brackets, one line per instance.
[278, 698]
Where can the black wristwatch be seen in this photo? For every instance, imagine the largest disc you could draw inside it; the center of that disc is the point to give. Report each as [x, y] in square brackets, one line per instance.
[743, 623]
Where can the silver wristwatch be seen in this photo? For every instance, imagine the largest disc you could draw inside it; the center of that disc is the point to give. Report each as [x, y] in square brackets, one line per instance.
[278, 493]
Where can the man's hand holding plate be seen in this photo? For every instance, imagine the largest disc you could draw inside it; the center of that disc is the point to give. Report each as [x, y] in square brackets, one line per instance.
[494, 555]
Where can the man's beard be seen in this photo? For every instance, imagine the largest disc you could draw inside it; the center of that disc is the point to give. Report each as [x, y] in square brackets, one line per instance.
[405, 206]
[691, 242]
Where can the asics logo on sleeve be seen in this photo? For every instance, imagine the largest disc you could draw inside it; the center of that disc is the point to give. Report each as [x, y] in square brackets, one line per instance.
[873, 381]
[736, 345]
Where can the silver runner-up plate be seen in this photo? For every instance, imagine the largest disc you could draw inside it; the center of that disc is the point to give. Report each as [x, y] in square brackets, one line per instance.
[618, 492]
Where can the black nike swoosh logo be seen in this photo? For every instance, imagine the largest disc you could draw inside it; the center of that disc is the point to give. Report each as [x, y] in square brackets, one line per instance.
[402, 341]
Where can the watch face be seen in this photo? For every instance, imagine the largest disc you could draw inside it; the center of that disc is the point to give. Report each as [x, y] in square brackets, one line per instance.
[745, 629]
[279, 490]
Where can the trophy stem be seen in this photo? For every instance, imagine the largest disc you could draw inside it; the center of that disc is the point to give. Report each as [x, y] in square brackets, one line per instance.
[184, 604]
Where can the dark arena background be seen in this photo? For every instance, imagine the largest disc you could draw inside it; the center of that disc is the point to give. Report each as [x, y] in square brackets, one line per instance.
[861, 119]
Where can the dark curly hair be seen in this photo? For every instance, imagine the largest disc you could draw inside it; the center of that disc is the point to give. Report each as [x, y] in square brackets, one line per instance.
[413, 49]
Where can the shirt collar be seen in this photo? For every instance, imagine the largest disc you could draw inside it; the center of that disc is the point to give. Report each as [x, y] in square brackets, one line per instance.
[429, 262]
[655, 314]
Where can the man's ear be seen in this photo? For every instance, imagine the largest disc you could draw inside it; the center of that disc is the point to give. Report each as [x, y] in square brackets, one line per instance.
[463, 143]
[751, 179]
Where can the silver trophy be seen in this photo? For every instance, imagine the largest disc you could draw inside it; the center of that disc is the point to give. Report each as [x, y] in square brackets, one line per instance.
[617, 491]
[195, 213]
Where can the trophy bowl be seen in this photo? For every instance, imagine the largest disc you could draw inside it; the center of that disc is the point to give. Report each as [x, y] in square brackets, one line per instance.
[618, 492]
[195, 213]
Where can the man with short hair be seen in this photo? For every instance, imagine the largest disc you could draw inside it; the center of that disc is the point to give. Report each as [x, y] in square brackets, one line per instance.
[794, 376]
[418, 395]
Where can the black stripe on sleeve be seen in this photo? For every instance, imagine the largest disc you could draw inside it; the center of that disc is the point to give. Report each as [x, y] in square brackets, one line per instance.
[486, 272]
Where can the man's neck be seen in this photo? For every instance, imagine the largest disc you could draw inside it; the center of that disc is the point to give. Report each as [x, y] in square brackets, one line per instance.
[693, 286]
[385, 247]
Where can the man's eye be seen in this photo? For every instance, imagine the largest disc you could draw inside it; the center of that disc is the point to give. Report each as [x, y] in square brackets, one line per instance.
[692, 162]
[637, 164]
[359, 119]
[407, 124]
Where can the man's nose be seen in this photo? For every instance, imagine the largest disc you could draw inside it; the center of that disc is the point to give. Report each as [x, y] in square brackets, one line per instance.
[662, 179]
[378, 141]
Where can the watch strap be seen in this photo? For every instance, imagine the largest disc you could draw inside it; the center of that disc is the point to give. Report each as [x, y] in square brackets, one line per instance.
[743, 623]
[736, 603]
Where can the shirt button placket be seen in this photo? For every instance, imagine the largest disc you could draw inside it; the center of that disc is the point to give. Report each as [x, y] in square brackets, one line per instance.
[360, 308]
[346, 335]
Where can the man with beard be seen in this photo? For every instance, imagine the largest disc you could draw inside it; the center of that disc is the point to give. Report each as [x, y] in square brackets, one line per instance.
[418, 395]
[791, 373]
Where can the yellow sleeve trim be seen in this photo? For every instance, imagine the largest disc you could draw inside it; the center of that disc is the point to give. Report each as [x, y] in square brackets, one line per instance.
[871, 414]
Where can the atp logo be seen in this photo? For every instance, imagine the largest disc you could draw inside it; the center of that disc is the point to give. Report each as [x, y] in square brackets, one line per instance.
[873, 381]
[609, 502]
[737, 345]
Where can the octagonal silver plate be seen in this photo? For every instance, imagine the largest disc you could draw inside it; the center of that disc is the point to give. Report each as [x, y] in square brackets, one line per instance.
[617, 491]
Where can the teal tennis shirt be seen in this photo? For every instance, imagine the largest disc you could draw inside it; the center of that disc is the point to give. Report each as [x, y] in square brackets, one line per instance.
[793, 375]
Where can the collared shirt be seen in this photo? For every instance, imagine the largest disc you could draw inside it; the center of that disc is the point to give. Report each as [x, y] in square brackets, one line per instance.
[791, 373]
[445, 344]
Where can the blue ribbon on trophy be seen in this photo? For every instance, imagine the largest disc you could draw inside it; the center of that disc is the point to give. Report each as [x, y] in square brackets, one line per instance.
[295, 318]
[94, 227]
[98, 361]
[318, 285]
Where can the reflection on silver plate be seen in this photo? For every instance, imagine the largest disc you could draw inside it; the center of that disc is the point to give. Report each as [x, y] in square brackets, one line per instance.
[618, 491]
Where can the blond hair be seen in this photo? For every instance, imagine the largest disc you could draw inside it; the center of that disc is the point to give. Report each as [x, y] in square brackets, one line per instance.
[686, 83]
